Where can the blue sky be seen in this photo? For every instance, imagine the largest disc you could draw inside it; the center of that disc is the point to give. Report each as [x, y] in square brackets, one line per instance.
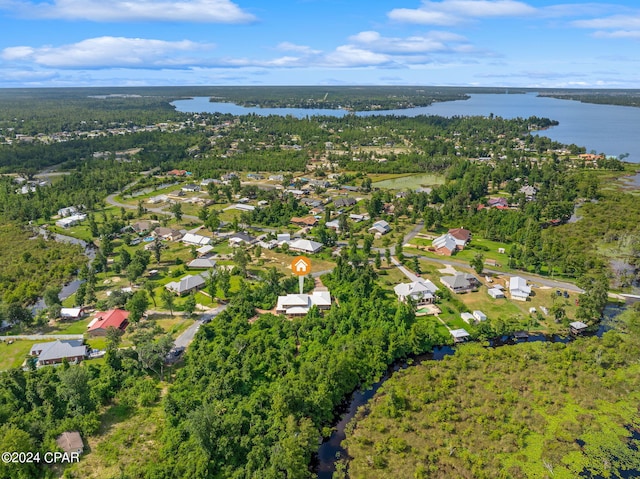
[535, 43]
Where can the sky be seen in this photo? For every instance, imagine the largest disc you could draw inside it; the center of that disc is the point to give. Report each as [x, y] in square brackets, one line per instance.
[535, 43]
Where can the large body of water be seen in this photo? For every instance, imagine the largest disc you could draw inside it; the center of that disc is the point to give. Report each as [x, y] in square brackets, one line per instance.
[608, 129]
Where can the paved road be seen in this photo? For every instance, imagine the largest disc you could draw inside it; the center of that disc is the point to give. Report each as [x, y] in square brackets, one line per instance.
[412, 277]
[42, 337]
[552, 283]
[187, 336]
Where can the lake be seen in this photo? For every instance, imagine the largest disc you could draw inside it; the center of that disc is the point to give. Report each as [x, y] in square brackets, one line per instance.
[608, 129]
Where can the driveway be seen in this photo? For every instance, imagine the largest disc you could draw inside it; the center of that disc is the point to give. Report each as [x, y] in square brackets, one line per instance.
[184, 340]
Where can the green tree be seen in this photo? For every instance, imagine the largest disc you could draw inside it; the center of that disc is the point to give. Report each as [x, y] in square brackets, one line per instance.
[168, 300]
[137, 305]
[176, 209]
[190, 304]
[477, 263]
[150, 288]
[51, 296]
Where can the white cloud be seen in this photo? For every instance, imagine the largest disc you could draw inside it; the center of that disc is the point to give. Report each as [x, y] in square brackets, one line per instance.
[618, 34]
[615, 22]
[350, 56]
[104, 52]
[292, 47]
[452, 12]
[431, 42]
[203, 11]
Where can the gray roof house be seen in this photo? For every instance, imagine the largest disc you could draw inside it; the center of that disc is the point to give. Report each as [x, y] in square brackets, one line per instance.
[380, 227]
[344, 202]
[186, 285]
[420, 292]
[202, 263]
[73, 350]
[461, 282]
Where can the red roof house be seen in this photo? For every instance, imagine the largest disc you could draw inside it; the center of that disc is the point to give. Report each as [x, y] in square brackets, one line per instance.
[462, 237]
[114, 318]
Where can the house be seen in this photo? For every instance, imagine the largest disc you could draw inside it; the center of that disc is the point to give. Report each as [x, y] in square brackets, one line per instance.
[445, 245]
[461, 236]
[358, 218]
[420, 292]
[202, 263]
[518, 288]
[468, 318]
[380, 227]
[114, 318]
[459, 335]
[479, 315]
[55, 352]
[70, 442]
[344, 202]
[333, 224]
[496, 293]
[186, 285]
[209, 181]
[529, 192]
[167, 233]
[142, 227]
[282, 237]
[190, 188]
[237, 239]
[577, 327]
[242, 207]
[495, 202]
[299, 304]
[305, 246]
[177, 173]
[195, 239]
[71, 313]
[352, 189]
[68, 211]
[461, 282]
[203, 250]
[72, 220]
[306, 221]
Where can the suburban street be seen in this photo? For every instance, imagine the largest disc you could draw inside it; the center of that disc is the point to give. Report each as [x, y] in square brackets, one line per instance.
[187, 336]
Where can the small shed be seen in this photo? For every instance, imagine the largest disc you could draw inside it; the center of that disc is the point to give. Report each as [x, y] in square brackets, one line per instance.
[70, 441]
[578, 327]
[479, 315]
[468, 318]
[459, 335]
[496, 293]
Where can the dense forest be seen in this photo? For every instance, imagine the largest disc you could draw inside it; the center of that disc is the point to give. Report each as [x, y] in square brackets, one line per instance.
[277, 383]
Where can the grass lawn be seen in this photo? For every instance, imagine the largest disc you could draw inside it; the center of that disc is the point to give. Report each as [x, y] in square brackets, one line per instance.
[72, 327]
[13, 355]
[282, 262]
[175, 325]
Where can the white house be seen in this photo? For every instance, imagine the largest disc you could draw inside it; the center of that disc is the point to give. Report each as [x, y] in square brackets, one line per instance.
[305, 246]
[421, 292]
[72, 220]
[71, 313]
[199, 240]
[300, 304]
[518, 288]
[380, 227]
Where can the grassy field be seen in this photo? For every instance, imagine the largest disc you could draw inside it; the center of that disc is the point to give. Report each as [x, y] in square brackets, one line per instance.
[13, 355]
[109, 453]
[533, 410]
